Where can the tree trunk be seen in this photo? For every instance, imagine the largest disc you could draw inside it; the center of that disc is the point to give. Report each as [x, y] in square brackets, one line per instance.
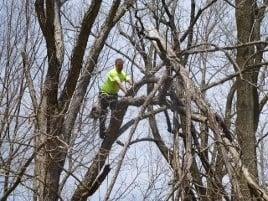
[247, 95]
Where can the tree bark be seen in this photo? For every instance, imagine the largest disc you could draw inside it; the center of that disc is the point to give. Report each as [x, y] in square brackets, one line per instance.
[247, 94]
[50, 159]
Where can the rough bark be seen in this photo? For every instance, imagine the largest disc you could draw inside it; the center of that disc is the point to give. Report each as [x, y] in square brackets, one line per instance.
[248, 30]
[50, 159]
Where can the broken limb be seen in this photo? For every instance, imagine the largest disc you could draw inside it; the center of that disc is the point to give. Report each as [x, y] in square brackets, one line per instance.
[225, 144]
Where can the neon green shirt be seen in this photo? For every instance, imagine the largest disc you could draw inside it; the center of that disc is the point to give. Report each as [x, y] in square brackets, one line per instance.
[110, 86]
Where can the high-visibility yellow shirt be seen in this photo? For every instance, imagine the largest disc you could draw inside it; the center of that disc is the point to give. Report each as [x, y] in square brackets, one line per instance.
[110, 86]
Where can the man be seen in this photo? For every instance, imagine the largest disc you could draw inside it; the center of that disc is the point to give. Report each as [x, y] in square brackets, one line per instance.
[110, 88]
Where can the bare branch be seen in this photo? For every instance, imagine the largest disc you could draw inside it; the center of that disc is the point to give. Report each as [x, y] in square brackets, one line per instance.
[263, 103]
[260, 139]
[146, 139]
[79, 50]
[193, 21]
[21, 174]
[191, 50]
[29, 81]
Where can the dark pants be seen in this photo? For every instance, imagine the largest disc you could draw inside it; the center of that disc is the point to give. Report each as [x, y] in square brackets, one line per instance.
[106, 101]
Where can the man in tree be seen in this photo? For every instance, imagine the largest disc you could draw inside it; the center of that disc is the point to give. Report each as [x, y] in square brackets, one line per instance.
[108, 94]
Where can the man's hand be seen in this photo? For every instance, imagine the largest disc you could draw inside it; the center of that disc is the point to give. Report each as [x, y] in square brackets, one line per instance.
[122, 87]
[130, 81]
[128, 97]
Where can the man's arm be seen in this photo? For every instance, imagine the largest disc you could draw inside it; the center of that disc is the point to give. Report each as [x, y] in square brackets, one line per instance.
[130, 81]
[121, 87]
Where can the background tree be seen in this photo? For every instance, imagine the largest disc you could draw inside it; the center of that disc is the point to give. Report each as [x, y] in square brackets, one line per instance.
[248, 59]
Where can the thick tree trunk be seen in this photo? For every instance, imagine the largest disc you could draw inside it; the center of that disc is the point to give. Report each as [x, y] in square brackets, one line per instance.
[50, 159]
[247, 95]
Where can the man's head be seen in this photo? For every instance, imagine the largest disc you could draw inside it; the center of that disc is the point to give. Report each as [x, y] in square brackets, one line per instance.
[119, 63]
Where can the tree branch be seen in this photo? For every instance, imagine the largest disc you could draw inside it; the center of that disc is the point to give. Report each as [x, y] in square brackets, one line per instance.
[193, 21]
[21, 173]
[79, 51]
